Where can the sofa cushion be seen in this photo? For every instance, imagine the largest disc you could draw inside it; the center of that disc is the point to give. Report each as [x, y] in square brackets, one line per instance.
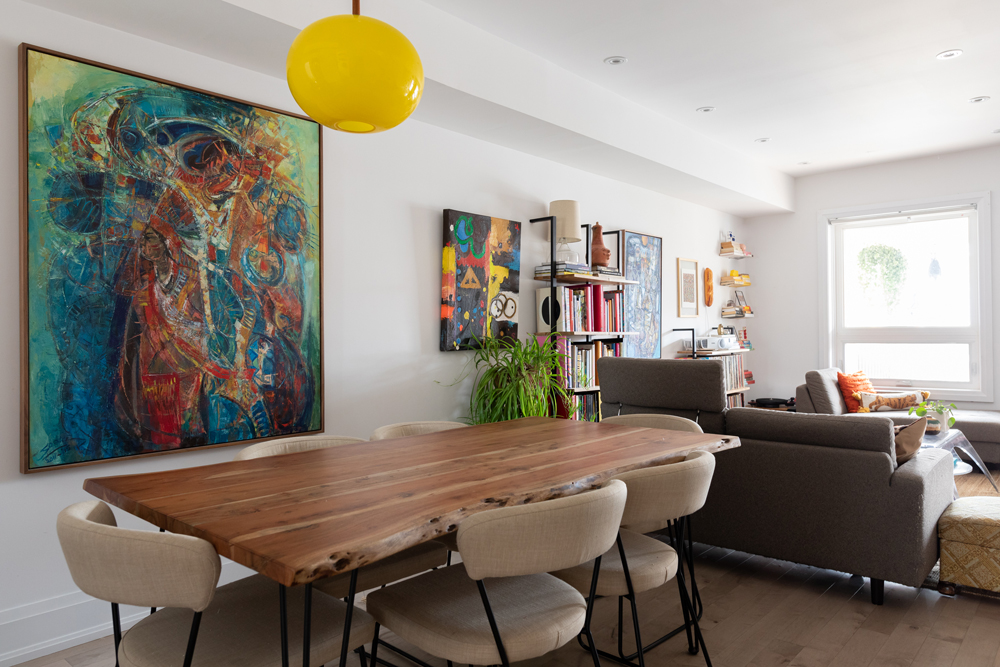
[908, 440]
[675, 383]
[844, 432]
[850, 385]
[825, 392]
[873, 402]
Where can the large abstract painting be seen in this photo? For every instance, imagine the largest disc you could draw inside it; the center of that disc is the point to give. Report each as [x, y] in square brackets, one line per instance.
[642, 261]
[480, 279]
[171, 266]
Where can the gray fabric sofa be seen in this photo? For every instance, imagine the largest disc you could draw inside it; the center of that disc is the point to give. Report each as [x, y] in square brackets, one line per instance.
[821, 394]
[820, 490]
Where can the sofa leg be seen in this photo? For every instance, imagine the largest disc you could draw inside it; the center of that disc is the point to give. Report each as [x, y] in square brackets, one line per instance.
[946, 588]
[878, 591]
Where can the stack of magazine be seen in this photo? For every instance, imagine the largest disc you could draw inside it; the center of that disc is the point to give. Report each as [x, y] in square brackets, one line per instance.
[543, 271]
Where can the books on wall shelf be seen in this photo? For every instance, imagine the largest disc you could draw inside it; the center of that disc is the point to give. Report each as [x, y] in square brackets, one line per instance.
[748, 377]
[588, 308]
[734, 250]
[739, 280]
[543, 271]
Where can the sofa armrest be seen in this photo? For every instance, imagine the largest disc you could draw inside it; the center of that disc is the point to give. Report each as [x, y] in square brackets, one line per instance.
[803, 402]
[927, 480]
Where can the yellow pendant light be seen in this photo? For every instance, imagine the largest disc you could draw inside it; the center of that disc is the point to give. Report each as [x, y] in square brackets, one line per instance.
[354, 73]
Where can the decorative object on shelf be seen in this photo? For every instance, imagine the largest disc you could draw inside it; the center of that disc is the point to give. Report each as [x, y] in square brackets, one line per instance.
[709, 288]
[613, 242]
[567, 215]
[480, 279]
[355, 73]
[936, 411]
[642, 261]
[171, 266]
[600, 254]
[742, 301]
[687, 287]
[515, 379]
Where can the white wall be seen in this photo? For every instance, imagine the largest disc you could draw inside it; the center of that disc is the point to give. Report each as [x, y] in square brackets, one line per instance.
[785, 277]
[384, 196]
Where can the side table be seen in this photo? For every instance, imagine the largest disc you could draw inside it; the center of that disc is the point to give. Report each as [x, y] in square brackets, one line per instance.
[954, 439]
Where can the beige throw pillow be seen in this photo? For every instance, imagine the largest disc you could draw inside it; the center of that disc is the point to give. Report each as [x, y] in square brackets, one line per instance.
[908, 440]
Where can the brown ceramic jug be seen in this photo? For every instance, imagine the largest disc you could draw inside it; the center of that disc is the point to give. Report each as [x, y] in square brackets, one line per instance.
[600, 254]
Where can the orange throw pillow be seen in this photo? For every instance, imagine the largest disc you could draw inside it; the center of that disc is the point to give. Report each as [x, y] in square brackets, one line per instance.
[855, 382]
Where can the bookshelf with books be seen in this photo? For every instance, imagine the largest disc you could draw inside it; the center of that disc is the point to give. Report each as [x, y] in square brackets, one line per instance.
[590, 310]
[736, 378]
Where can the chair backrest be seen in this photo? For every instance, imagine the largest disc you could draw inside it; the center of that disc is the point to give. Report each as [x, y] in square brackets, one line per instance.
[661, 494]
[542, 537]
[136, 567]
[668, 422]
[293, 445]
[404, 429]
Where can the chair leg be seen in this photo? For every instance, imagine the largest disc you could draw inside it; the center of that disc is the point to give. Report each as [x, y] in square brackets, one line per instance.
[375, 647]
[590, 613]
[192, 639]
[493, 623]
[878, 591]
[677, 541]
[345, 645]
[631, 599]
[116, 625]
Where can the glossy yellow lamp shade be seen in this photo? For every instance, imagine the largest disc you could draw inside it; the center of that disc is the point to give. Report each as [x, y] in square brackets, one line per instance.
[355, 74]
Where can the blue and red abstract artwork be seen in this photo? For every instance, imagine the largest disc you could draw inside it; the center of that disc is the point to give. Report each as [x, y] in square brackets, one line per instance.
[172, 277]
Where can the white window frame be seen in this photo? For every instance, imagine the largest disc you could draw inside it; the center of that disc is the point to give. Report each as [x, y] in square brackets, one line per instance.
[833, 335]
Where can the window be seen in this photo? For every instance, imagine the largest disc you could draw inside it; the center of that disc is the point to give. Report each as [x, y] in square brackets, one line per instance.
[910, 294]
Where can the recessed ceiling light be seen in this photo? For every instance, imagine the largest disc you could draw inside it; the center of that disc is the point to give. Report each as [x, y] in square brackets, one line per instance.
[996, 131]
[949, 54]
[616, 60]
[803, 163]
[762, 140]
[705, 109]
[981, 98]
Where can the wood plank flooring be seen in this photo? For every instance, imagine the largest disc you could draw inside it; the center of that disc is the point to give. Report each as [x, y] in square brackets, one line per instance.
[761, 612]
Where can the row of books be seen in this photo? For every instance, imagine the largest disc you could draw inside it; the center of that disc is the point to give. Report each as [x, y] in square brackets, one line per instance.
[585, 308]
[742, 280]
[733, 249]
[579, 361]
[736, 311]
[543, 271]
[585, 407]
[735, 401]
[733, 372]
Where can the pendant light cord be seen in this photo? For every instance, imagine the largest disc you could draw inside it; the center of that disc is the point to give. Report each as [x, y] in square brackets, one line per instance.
[357, 8]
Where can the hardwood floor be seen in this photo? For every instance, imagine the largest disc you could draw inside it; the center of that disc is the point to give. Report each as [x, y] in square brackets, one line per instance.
[761, 612]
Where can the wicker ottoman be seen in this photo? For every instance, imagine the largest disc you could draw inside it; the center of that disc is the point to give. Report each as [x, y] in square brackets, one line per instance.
[969, 531]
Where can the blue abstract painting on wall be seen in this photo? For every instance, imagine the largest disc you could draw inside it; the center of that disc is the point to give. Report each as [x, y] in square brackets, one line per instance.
[172, 277]
[642, 261]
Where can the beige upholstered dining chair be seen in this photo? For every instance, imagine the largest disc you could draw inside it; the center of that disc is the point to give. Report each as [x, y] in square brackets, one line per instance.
[293, 445]
[667, 422]
[234, 625]
[520, 612]
[659, 498]
[404, 429]
[404, 564]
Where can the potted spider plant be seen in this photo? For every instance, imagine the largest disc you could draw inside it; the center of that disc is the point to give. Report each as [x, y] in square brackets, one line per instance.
[515, 379]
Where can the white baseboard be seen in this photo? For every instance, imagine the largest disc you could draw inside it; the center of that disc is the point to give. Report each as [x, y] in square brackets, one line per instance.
[48, 626]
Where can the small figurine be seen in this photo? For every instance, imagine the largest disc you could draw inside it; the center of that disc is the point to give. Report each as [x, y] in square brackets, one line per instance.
[600, 254]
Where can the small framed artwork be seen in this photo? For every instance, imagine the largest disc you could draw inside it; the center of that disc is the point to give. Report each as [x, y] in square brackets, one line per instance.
[742, 301]
[687, 287]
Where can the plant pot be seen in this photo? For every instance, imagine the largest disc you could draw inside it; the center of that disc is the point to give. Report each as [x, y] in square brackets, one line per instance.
[940, 419]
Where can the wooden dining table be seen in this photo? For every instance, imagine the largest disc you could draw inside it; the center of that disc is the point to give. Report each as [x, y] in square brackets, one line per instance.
[296, 518]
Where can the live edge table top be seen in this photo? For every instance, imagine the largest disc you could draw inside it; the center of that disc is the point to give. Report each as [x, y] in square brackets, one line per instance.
[300, 517]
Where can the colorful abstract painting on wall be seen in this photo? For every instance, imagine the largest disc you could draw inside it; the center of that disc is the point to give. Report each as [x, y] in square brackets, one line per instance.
[480, 279]
[172, 275]
[642, 261]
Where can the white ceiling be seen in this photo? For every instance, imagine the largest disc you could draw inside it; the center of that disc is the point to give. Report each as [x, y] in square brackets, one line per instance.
[836, 83]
